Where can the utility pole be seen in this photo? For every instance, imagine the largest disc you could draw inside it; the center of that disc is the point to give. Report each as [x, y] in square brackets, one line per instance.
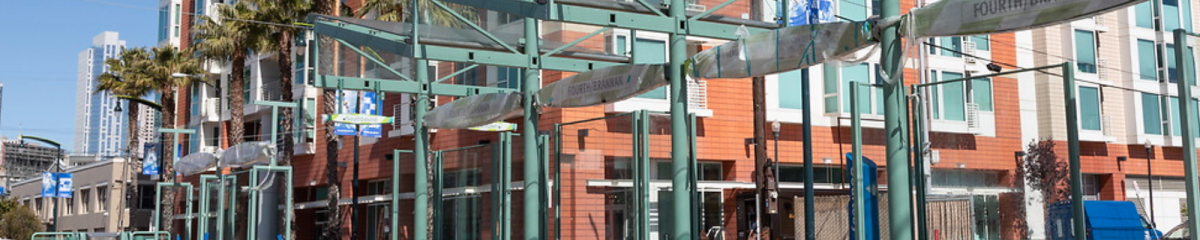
[760, 153]
[895, 118]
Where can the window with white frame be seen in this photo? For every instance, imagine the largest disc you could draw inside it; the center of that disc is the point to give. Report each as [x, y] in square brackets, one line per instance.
[948, 100]
[1154, 111]
[1151, 114]
[837, 89]
[1176, 14]
[101, 198]
[1090, 100]
[789, 83]
[508, 77]
[1147, 60]
[1085, 51]
[946, 46]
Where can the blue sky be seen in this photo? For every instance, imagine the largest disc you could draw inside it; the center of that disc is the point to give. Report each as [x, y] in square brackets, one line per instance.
[39, 51]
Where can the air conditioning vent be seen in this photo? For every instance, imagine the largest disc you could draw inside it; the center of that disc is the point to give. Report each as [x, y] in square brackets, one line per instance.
[969, 49]
[973, 116]
[1102, 69]
[697, 94]
[398, 112]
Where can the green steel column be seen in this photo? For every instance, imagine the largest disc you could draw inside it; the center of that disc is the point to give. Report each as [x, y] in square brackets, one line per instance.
[505, 184]
[421, 132]
[557, 181]
[859, 181]
[1073, 151]
[919, 163]
[438, 201]
[1189, 141]
[899, 191]
[394, 209]
[810, 216]
[640, 223]
[534, 210]
[681, 207]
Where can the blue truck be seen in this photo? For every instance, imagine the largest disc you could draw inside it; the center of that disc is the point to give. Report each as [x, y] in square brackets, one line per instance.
[1105, 220]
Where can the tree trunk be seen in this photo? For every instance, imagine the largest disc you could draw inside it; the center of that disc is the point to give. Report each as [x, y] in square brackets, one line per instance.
[334, 228]
[130, 153]
[237, 100]
[167, 159]
[286, 141]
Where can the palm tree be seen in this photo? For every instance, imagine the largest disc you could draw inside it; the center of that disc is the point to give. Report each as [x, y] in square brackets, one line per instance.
[127, 76]
[395, 11]
[333, 230]
[229, 40]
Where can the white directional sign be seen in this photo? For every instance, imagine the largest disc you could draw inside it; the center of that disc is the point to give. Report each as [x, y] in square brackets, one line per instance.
[475, 111]
[360, 119]
[496, 127]
[970, 17]
[781, 50]
[603, 85]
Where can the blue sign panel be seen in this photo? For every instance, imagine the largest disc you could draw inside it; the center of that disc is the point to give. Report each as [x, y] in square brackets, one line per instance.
[49, 185]
[805, 12]
[150, 159]
[349, 104]
[64, 185]
[370, 106]
[869, 193]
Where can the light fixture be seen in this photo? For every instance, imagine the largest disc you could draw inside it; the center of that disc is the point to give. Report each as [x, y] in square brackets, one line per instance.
[775, 126]
[118, 107]
[1149, 145]
[994, 68]
[1122, 158]
[962, 165]
[1020, 153]
[826, 160]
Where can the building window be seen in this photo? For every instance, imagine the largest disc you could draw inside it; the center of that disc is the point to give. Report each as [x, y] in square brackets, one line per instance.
[981, 92]
[509, 77]
[709, 171]
[1085, 51]
[1151, 114]
[1091, 187]
[948, 100]
[856, 10]
[102, 199]
[949, 46]
[1175, 12]
[986, 217]
[651, 51]
[982, 42]
[1172, 66]
[1147, 60]
[469, 78]
[1089, 108]
[789, 83]
[821, 174]
[856, 73]
[1176, 127]
[462, 219]
[85, 201]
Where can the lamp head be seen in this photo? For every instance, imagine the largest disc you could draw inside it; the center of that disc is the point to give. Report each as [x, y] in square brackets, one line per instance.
[775, 126]
[1148, 144]
[118, 107]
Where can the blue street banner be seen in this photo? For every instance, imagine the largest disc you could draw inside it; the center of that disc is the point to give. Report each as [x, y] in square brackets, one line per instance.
[64, 185]
[49, 185]
[150, 159]
[3, 192]
[370, 106]
[805, 12]
[349, 104]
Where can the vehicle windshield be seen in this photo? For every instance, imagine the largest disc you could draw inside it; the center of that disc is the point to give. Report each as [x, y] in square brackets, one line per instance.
[1181, 233]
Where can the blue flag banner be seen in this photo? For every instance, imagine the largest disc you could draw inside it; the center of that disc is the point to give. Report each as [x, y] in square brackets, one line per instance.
[64, 185]
[3, 192]
[805, 12]
[49, 185]
[349, 104]
[150, 159]
[370, 106]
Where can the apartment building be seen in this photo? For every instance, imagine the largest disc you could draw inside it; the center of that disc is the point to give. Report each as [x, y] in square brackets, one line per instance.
[1128, 101]
[98, 202]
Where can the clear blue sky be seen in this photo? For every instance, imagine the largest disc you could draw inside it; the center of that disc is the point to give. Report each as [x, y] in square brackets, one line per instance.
[39, 51]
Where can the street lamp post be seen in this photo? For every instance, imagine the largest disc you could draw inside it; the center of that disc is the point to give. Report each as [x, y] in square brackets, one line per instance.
[1150, 180]
[57, 168]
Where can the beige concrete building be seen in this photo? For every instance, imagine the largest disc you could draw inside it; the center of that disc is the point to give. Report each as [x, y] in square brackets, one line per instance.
[98, 202]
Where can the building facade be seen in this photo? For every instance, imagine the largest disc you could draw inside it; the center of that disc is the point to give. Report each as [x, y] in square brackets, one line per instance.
[99, 129]
[98, 202]
[1128, 102]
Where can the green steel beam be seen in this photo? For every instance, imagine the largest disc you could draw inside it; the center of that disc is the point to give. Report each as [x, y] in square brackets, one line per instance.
[533, 209]
[681, 208]
[420, 136]
[859, 181]
[456, 73]
[439, 205]
[370, 84]
[505, 185]
[557, 181]
[899, 191]
[606, 17]
[642, 166]
[1189, 141]
[1069, 99]
[367, 37]
[157, 223]
[919, 161]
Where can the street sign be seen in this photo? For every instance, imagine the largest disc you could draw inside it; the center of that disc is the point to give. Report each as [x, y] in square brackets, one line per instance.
[349, 105]
[351, 119]
[49, 185]
[368, 105]
[970, 17]
[475, 111]
[601, 86]
[781, 50]
[64, 185]
[150, 159]
[496, 127]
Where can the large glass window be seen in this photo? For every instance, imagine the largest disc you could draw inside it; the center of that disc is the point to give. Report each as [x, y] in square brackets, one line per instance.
[1176, 14]
[981, 90]
[821, 174]
[466, 78]
[462, 218]
[1176, 128]
[1151, 114]
[1085, 51]
[949, 46]
[507, 77]
[853, 9]
[952, 100]
[1089, 108]
[1147, 61]
[982, 42]
[861, 73]
[789, 85]
[651, 51]
[1172, 65]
